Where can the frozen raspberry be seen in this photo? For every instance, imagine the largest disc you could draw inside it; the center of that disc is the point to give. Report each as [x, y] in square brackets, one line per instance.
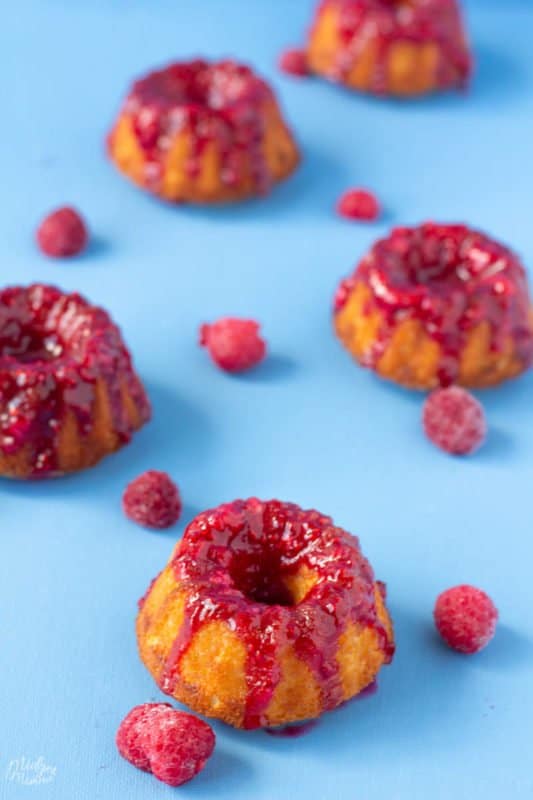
[62, 233]
[128, 736]
[152, 500]
[172, 745]
[294, 62]
[233, 344]
[465, 618]
[359, 204]
[454, 420]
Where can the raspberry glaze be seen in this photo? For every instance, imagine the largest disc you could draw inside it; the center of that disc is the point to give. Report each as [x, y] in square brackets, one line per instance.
[215, 102]
[53, 349]
[450, 278]
[386, 22]
[233, 560]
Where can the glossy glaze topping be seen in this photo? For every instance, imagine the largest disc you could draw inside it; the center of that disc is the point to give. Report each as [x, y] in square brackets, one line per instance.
[450, 278]
[54, 347]
[235, 562]
[216, 103]
[386, 22]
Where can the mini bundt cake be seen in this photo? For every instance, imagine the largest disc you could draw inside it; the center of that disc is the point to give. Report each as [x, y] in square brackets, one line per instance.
[203, 132]
[390, 47]
[265, 615]
[68, 391]
[435, 305]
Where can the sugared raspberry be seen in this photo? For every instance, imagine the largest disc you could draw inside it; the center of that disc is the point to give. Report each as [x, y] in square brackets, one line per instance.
[359, 204]
[172, 745]
[294, 62]
[62, 233]
[233, 344]
[128, 736]
[454, 420]
[152, 500]
[466, 618]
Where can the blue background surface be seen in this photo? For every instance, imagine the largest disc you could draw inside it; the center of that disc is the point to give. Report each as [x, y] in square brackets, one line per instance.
[308, 426]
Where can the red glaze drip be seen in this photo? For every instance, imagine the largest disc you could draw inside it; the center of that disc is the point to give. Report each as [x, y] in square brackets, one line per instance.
[53, 349]
[221, 102]
[292, 731]
[387, 22]
[233, 561]
[450, 278]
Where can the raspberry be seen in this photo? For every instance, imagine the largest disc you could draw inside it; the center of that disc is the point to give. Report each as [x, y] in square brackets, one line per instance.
[359, 204]
[62, 233]
[465, 618]
[129, 735]
[152, 500]
[172, 745]
[454, 420]
[233, 344]
[294, 62]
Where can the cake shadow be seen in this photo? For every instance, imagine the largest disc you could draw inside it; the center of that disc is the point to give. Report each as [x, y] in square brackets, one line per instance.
[415, 103]
[515, 392]
[497, 77]
[509, 650]
[498, 447]
[98, 247]
[275, 368]
[181, 432]
[309, 190]
[414, 397]
[178, 435]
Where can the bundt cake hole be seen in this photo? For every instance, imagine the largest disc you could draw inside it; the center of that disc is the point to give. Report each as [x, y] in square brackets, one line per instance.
[27, 343]
[262, 578]
[433, 263]
[200, 85]
[259, 577]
